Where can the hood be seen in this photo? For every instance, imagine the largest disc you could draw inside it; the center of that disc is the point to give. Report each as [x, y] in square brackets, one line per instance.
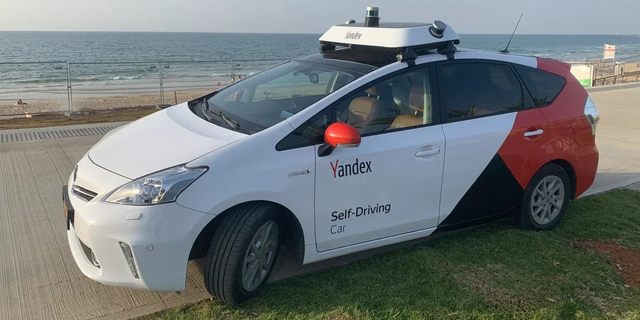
[164, 139]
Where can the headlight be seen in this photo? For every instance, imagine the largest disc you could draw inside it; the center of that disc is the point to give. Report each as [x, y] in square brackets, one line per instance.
[159, 187]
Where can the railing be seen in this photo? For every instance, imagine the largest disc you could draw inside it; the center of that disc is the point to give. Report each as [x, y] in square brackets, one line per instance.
[614, 72]
[70, 87]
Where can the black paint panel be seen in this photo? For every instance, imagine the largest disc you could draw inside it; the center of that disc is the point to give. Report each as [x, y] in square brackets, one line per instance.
[495, 192]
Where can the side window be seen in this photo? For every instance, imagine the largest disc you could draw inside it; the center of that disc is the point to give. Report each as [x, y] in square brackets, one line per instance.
[309, 133]
[543, 86]
[476, 89]
[398, 102]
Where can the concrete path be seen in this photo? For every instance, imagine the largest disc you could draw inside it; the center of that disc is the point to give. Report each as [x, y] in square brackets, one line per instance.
[39, 279]
[618, 137]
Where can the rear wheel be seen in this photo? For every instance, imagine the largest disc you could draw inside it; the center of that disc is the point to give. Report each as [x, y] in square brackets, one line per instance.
[545, 199]
[242, 253]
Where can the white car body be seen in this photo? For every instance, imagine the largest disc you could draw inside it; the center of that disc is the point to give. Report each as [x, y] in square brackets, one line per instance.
[446, 159]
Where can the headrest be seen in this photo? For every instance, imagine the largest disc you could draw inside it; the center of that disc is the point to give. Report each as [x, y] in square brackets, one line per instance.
[416, 97]
[362, 106]
[372, 91]
[406, 120]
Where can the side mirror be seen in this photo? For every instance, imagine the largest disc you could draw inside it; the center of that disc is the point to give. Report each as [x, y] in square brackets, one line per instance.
[339, 135]
[314, 77]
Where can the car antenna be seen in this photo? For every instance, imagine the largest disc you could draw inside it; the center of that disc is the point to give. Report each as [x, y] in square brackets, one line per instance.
[506, 50]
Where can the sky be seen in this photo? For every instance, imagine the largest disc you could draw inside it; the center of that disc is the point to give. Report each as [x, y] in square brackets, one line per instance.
[303, 16]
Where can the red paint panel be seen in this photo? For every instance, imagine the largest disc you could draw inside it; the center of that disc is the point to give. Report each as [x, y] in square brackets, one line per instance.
[570, 137]
[521, 153]
[567, 111]
[567, 134]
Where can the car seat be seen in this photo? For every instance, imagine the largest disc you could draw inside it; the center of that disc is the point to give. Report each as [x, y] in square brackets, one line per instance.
[360, 111]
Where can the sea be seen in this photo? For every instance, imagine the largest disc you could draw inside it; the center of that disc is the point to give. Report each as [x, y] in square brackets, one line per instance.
[38, 59]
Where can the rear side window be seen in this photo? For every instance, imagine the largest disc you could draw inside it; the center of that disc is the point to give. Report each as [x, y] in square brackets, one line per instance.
[476, 89]
[543, 86]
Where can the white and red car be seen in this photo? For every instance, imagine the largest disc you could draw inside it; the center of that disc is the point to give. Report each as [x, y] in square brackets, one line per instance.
[394, 137]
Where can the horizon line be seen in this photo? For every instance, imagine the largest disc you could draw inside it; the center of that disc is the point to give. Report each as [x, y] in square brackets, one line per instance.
[312, 33]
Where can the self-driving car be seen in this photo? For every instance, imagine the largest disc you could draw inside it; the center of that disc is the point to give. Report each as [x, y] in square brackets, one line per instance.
[390, 133]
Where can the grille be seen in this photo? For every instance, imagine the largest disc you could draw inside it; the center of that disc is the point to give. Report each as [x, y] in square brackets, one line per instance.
[83, 193]
[89, 253]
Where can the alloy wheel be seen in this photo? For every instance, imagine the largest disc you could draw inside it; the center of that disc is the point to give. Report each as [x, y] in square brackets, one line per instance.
[260, 255]
[547, 200]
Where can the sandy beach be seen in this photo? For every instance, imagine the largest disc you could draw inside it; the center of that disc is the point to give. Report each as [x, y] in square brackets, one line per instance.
[97, 103]
[146, 94]
[92, 98]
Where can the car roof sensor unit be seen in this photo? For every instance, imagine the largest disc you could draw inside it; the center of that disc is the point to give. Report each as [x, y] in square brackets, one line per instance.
[372, 19]
[402, 37]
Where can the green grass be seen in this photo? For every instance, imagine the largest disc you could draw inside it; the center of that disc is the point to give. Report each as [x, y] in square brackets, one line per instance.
[493, 272]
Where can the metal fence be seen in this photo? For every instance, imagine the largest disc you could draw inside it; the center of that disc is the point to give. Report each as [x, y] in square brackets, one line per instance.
[617, 72]
[70, 87]
[614, 72]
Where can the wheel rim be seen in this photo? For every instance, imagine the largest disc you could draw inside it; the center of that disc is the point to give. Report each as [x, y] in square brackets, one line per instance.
[260, 256]
[547, 200]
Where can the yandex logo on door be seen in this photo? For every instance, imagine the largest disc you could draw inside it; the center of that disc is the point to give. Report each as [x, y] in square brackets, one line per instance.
[350, 169]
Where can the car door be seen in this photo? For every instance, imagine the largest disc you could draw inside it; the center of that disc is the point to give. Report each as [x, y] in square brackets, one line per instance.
[390, 184]
[493, 133]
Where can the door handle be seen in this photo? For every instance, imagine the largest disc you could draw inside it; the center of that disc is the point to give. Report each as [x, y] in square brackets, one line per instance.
[533, 133]
[426, 153]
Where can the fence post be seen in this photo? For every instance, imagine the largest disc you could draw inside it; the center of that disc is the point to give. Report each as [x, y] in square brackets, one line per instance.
[161, 84]
[69, 91]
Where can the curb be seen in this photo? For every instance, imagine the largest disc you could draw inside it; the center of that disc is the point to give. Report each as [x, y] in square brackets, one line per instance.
[613, 87]
[617, 185]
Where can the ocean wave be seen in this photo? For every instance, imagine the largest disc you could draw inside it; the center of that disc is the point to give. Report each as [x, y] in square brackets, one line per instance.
[127, 77]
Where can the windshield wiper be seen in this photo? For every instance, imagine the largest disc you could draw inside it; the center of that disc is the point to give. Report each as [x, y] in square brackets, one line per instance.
[231, 123]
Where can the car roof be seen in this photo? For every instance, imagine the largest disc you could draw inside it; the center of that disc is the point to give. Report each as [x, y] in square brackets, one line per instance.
[366, 59]
[360, 61]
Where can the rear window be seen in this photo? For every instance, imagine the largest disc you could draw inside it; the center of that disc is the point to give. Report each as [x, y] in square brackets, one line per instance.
[473, 89]
[543, 86]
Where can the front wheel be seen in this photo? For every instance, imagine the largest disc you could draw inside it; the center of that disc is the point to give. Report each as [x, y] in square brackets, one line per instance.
[242, 253]
[545, 199]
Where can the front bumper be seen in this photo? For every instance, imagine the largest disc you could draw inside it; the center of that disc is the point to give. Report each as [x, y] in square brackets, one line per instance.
[160, 238]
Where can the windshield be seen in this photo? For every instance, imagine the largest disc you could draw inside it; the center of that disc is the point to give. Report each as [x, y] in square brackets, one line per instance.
[264, 99]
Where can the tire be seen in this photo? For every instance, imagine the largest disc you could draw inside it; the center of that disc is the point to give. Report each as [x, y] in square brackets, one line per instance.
[533, 211]
[229, 253]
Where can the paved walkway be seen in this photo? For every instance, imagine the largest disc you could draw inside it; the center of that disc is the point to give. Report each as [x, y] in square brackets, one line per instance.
[39, 279]
[618, 136]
